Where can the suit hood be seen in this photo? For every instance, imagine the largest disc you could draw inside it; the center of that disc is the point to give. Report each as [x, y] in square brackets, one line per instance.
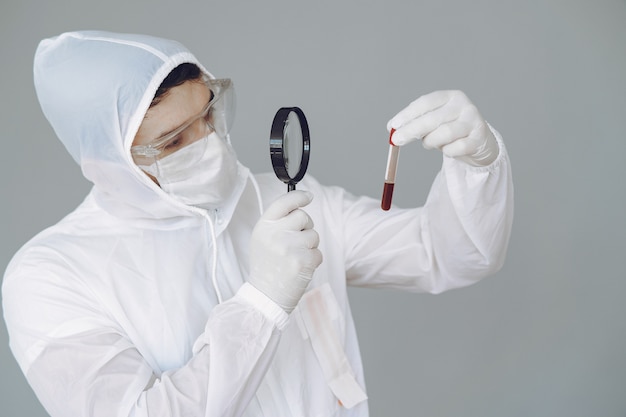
[94, 88]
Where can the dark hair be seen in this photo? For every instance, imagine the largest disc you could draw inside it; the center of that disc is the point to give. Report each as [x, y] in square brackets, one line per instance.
[180, 74]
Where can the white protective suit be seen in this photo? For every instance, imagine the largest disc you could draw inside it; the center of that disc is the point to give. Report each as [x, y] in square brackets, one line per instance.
[111, 312]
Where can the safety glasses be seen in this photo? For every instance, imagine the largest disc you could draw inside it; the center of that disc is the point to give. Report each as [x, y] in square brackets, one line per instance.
[216, 116]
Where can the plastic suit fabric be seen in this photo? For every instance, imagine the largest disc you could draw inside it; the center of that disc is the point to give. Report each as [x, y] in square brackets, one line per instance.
[111, 312]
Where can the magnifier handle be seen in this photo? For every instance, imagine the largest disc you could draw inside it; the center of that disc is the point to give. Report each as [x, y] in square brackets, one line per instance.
[291, 186]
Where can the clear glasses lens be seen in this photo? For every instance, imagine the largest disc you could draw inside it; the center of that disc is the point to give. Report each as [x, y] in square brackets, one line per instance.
[222, 113]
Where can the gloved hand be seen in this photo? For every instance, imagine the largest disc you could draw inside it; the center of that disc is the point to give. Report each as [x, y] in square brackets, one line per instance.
[449, 121]
[283, 251]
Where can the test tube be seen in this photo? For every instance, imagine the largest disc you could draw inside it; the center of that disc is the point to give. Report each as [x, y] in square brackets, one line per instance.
[390, 173]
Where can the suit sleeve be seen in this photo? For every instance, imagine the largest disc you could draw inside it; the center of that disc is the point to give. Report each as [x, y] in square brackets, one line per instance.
[80, 363]
[459, 236]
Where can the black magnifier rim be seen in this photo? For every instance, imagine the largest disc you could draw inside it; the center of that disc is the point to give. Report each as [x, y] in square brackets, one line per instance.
[277, 142]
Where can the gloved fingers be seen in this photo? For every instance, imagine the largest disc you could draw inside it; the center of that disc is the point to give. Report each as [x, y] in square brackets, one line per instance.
[424, 125]
[295, 247]
[287, 203]
[446, 134]
[309, 239]
[296, 220]
[422, 105]
[479, 148]
[460, 147]
[311, 259]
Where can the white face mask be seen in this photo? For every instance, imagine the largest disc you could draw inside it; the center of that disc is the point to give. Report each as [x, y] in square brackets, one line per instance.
[202, 174]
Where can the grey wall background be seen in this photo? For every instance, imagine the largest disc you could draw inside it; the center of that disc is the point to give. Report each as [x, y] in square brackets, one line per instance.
[546, 336]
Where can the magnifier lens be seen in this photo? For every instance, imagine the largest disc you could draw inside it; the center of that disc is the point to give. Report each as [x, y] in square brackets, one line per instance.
[292, 146]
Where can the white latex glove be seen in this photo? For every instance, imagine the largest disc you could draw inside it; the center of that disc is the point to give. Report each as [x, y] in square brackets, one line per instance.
[448, 121]
[283, 251]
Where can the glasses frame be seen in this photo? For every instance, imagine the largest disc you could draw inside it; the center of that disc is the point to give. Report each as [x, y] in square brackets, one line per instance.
[217, 87]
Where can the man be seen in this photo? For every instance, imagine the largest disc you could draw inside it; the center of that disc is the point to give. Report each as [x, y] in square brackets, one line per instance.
[185, 286]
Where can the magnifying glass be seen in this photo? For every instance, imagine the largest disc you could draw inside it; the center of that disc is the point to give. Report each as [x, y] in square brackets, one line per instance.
[290, 145]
